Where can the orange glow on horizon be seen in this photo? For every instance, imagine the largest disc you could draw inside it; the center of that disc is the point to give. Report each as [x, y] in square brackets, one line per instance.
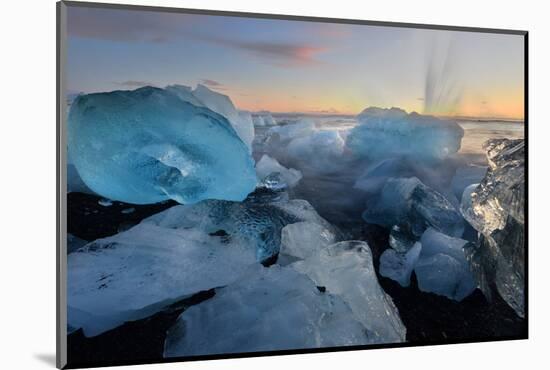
[505, 106]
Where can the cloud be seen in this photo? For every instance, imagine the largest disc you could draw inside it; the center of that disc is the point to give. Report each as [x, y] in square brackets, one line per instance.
[278, 53]
[290, 53]
[155, 27]
[213, 84]
[126, 25]
[132, 83]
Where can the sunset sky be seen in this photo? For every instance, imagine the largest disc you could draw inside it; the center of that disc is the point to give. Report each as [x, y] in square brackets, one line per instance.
[291, 66]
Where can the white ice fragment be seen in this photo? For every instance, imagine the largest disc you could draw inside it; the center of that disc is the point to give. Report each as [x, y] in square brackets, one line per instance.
[401, 238]
[74, 243]
[302, 210]
[267, 166]
[263, 118]
[376, 175]
[137, 272]
[442, 267]
[434, 242]
[105, 202]
[443, 275]
[346, 269]
[302, 239]
[407, 201]
[221, 104]
[306, 146]
[258, 121]
[202, 96]
[319, 144]
[176, 253]
[267, 309]
[292, 131]
[399, 266]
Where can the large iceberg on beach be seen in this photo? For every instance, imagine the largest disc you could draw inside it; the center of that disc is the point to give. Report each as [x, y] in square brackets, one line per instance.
[392, 132]
[496, 209]
[149, 145]
[267, 309]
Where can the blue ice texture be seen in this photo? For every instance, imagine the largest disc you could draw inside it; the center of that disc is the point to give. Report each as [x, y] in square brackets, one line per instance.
[150, 144]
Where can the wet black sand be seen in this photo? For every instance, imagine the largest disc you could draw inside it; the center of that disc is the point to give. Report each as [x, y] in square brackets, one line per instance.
[89, 220]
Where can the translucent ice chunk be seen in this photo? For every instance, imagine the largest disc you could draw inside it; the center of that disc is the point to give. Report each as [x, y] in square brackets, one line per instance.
[442, 274]
[434, 174]
[407, 201]
[434, 242]
[302, 239]
[466, 176]
[74, 243]
[267, 309]
[263, 119]
[442, 267]
[137, 272]
[258, 121]
[105, 202]
[267, 166]
[149, 145]
[346, 269]
[318, 145]
[74, 182]
[374, 178]
[202, 96]
[390, 132]
[221, 104]
[301, 128]
[258, 223]
[401, 238]
[178, 252]
[496, 208]
[306, 146]
[399, 266]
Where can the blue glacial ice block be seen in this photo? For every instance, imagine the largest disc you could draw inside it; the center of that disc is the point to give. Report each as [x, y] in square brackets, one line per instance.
[149, 145]
[383, 133]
